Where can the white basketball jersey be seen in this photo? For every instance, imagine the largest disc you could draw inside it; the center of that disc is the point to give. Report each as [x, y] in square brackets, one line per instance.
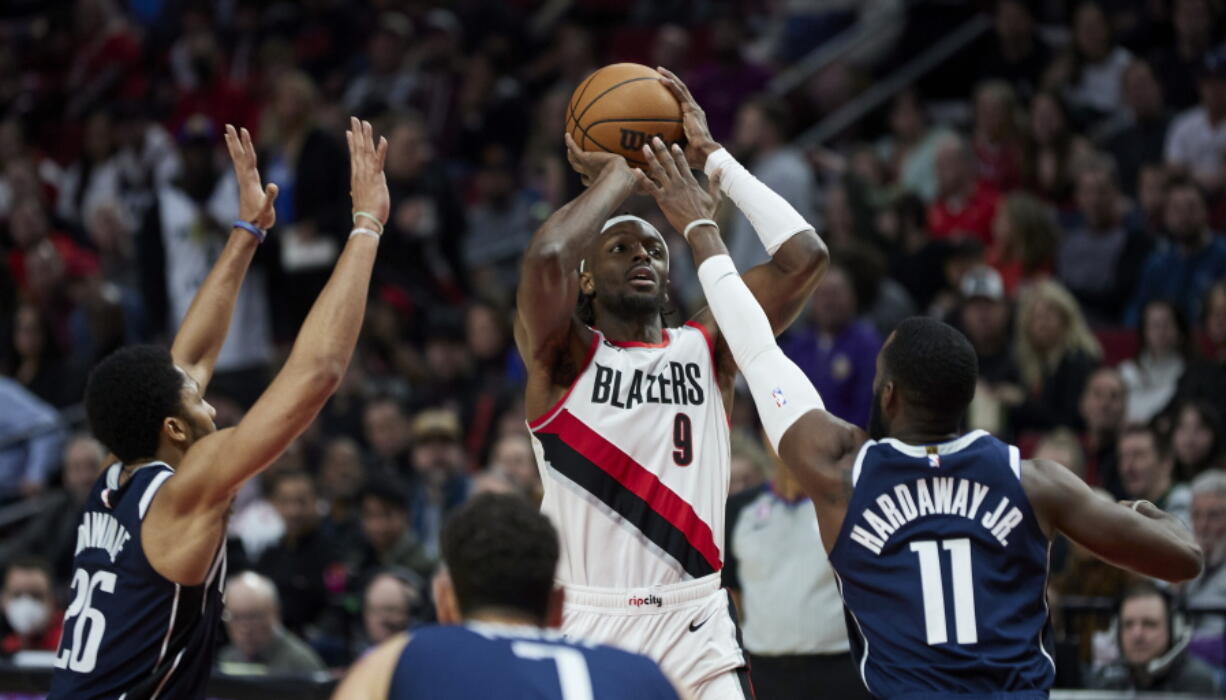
[635, 464]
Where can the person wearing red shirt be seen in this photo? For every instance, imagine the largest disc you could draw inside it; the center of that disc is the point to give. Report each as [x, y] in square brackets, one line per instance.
[32, 620]
[965, 205]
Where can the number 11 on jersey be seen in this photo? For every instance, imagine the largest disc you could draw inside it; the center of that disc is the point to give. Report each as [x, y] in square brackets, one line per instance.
[934, 590]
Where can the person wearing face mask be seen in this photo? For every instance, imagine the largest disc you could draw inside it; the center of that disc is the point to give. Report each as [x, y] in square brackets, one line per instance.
[32, 619]
[1153, 642]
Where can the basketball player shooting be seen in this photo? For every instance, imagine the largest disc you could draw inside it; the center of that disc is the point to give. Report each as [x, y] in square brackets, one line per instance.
[150, 560]
[939, 540]
[630, 424]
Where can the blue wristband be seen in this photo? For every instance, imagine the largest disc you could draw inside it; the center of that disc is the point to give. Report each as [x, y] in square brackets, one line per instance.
[254, 230]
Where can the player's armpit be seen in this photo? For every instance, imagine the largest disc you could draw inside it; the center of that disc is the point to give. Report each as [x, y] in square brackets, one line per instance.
[371, 677]
[1152, 543]
[820, 450]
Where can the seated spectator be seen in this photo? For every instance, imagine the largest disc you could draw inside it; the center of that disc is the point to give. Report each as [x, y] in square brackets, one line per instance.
[1055, 354]
[983, 316]
[1015, 52]
[388, 605]
[910, 150]
[1153, 641]
[836, 350]
[915, 260]
[1147, 472]
[259, 643]
[965, 205]
[1026, 238]
[440, 482]
[997, 139]
[52, 532]
[512, 457]
[1193, 258]
[749, 462]
[306, 563]
[387, 431]
[1196, 439]
[385, 84]
[387, 539]
[1178, 64]
[1205, 379]
[38, 362]
[501, 218]
[1163, 349]
[1209, 589]
[1100, 259]
[342, 475]
[1053, 150]
[31, 435]
[1102, 408]
[32, 619]
[1196, 141]
[1063, 447]
[1091, 71]
[1137, 136]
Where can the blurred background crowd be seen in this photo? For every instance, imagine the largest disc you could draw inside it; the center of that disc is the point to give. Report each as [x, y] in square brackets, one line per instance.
[1047, 175]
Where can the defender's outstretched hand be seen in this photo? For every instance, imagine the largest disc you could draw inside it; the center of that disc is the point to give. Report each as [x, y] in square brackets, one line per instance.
[255, 202]
[367, 182]
[671, 182]
[698, 141]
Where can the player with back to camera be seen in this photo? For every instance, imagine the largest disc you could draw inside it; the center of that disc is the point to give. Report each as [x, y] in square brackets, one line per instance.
[497, 601]
[629, 418]
[939, 540]
[150, 561]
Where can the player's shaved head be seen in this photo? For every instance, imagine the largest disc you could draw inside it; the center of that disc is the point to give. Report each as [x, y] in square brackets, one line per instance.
[933, 368]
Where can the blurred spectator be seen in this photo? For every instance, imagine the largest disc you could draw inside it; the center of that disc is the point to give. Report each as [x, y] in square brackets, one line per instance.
[910, 149]
[386, 429]
[439, 480]
[387, 539]
[1092, 69]
[1209, 589]
[1147, 472]
[32, 619]
[512, 456]
[1055, 353]
[52, 532]
[1163, 349]
[1015, 52]
[984, 317]
[915, 260]
[884, 302]
[1205, 378]
[383, 84]
[195, 212]
[105, 59]
[1026, 238]
[760, 142]
[388, 604]
[1102, 408]
[1178, 63]
[791, 618]
[259, 643]
[30, 439]
[1196, 141]
[836, 350]
[501, 220]
[1062, 447]
[1153, 641]
[727, 79]
[749, 462]
[1137, 136]
[306, 564]
[996, 138]
[43, 260]
[205, 86]
[342, 476]
[94, 176]
[1196, 439]
[1100, 260]
[965, 205]
[37, 361]
[1053, 150]
[1183, 269]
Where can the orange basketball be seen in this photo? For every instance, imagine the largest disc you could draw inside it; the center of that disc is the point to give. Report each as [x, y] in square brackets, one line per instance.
[619, 108]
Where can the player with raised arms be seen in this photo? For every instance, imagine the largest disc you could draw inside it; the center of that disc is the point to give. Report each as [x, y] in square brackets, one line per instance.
[939, 540]
[498, 606]
[629, 419]
[150, 559]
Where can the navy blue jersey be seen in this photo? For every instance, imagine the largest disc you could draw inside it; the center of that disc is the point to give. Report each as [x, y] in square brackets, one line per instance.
[130, 633]
[943, 569]
[519, 663]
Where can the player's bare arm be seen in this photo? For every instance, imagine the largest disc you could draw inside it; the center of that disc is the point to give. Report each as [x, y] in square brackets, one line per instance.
[203, 331]
[184, 524]
[818, 447]
[551, 340]
[784, 283]
[371, 677]
[1143, 538]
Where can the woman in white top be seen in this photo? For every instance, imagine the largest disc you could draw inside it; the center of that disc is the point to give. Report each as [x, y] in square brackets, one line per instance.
[1152, 375]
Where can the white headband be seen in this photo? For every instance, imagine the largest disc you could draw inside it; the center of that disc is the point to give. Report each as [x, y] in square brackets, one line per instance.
[621, 219]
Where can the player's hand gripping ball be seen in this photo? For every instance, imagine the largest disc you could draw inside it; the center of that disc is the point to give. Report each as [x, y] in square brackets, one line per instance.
[620, 108]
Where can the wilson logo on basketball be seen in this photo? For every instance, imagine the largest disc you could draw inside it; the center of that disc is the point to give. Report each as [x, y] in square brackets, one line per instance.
[632, 140]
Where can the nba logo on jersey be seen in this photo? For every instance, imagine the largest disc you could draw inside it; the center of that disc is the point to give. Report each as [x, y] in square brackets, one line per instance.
[780, 399]
[934, 458]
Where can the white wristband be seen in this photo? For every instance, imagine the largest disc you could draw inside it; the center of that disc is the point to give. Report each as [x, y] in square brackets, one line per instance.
[362, 231]
[772, 217]
[695, 224]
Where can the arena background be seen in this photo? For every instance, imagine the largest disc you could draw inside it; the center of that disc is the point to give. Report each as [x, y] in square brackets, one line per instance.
[1046, 175]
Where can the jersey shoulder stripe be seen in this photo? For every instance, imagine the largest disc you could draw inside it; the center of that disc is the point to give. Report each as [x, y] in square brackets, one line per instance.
[598, 466]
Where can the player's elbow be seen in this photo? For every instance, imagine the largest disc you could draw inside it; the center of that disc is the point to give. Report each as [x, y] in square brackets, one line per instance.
[326, 375]
[807, 258]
